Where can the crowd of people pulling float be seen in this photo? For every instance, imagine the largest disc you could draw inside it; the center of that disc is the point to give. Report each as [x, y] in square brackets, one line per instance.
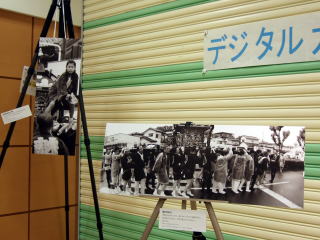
[185, 161]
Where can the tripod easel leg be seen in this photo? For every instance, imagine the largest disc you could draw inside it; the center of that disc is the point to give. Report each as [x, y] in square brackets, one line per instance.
[90, 164]
[153, 218]
[214, 221]
[66, 187]
[44, 32]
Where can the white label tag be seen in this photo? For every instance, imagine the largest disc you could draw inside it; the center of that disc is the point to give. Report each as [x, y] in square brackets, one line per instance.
[185, 220]
[32, 84]
[16, 114]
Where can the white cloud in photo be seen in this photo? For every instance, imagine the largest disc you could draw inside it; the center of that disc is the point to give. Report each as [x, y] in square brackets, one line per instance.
[127, 128]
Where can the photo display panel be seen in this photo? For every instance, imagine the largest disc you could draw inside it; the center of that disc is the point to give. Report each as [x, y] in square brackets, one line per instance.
[259, 165]
[57, 91]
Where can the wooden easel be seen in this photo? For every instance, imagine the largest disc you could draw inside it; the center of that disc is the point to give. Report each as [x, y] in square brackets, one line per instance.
[193, 205]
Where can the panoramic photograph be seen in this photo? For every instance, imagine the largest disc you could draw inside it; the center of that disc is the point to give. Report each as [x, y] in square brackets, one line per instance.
[259, 165]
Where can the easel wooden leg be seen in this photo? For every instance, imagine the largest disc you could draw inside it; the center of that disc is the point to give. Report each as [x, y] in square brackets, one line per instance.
[153, 218]
[214, 221]
[184, 204]
[193, 205]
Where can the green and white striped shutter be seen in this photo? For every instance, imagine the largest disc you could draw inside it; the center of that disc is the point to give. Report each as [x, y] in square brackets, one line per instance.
[143, 63]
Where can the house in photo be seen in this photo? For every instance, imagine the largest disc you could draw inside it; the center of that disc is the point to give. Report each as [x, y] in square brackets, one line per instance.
[266, 145]
[121, 140]
[127, 140]
[154, 134]
[145, 141]
[250, 141]
[290, 148]
[223, 138]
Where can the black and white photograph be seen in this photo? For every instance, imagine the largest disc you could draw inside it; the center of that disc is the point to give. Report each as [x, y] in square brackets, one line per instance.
[259, 165]
[57, 90]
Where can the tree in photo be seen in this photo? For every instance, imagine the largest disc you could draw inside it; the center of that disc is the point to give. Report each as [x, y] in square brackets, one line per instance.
[279, 136]
[301, 138]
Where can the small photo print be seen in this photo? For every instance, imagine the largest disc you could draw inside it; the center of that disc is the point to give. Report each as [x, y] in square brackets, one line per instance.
[57, 91]
[258, 165]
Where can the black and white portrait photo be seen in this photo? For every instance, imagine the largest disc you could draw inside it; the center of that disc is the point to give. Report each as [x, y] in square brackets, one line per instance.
[260, 165]
[57, 90]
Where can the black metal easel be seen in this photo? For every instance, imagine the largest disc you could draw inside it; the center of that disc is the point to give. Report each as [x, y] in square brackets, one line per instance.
[65, 19]
[66, 186]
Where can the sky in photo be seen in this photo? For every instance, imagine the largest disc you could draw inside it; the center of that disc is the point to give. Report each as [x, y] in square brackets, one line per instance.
[261, 132]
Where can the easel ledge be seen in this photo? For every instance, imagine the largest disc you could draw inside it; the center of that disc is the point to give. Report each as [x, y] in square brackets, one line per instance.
[193, 205]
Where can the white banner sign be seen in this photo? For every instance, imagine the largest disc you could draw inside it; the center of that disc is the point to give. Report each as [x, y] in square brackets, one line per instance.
[282, 40]
[184, 220]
